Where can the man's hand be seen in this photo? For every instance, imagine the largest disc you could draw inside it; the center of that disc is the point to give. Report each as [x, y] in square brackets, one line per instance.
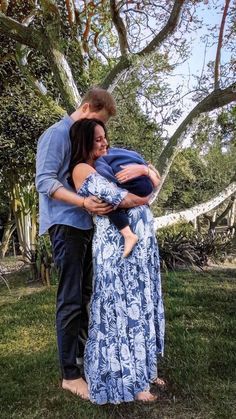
[96, 206]
[131, 172]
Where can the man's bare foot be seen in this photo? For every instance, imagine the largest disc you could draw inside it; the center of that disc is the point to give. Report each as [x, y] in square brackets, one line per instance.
[130, 242]
[145, 396]
[159, 382]
[78, 387]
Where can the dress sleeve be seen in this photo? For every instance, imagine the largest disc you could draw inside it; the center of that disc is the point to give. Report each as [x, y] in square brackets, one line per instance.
[104, 189]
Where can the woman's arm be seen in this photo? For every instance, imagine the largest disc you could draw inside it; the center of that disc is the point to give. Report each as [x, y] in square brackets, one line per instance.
[105, 190]
[131, 200]
[90, 203]
[93, 204]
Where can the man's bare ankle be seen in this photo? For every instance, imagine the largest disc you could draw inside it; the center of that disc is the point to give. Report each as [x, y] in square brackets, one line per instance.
[76, 386]
[73, 380]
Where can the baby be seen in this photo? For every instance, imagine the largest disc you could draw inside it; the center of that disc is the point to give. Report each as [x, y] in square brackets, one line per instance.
[108, 166]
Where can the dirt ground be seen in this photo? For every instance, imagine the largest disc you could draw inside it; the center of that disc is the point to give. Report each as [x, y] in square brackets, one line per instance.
[11, 264]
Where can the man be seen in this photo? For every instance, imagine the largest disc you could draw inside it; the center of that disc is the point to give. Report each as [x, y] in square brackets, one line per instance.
[64, 214]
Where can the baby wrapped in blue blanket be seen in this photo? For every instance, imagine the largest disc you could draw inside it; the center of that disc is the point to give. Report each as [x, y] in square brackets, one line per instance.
[108, 166]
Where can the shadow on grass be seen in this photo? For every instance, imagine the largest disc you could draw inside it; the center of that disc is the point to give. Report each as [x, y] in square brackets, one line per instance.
[33, 391]
[30, 385]
[199, 363]
[200, 347]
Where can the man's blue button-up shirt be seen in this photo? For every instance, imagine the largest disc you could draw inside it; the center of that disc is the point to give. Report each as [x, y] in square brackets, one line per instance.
[52, 163]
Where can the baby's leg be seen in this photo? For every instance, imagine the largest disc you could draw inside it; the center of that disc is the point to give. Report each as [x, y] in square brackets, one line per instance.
[120, 219]
[130, 239]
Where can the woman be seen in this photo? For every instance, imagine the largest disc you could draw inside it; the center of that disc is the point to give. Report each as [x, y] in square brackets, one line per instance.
[126, 331]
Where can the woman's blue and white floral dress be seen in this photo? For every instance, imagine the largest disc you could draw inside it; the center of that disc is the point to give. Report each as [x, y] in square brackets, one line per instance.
[126, 331]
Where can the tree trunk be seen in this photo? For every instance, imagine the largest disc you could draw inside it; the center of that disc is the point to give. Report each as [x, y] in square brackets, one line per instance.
[214, 100]
[24, 210]
[191, 213]
[7, 234]
[63, 77]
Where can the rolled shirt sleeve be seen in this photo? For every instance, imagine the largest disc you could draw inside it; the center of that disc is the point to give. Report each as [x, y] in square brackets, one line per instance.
[51, 152]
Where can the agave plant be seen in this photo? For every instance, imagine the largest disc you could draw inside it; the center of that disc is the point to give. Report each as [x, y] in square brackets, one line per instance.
[192, 250]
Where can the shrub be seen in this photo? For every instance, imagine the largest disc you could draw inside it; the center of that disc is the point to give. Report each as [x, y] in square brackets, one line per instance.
[189, 248]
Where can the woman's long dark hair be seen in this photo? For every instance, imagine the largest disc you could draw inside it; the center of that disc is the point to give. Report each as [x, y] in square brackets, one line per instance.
[82, 141]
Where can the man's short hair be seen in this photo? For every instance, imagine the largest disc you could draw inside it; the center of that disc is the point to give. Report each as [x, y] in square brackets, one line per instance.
[99, 99]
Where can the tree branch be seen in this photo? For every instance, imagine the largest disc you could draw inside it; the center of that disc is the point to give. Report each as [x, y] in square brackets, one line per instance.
[168, 29]
[39, 89]
[52, 20]
[63, 77]
[219, 46]
[200, 209]
[214, 100]
[224, 213]
[19, 32]
[116, 72]
[70, 6]
[49, 44]
[52, 51]
[120, 27]
[4, 6]
[126, 62]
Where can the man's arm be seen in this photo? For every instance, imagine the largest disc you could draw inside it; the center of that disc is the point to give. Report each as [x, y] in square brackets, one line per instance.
[49, 160]
[90, 203]
[51, 151]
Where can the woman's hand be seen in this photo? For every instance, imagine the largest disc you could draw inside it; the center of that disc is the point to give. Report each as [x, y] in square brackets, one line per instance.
[154, 175]
[151, 167]
[131, 172]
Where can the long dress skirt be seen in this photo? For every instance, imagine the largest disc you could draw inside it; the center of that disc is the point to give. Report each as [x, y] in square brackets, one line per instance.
[126, 330]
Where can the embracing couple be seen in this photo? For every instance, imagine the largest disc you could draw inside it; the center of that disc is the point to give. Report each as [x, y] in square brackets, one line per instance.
[110, 317]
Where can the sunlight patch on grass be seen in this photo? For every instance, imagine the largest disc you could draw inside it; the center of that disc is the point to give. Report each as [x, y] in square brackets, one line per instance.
[27, 340]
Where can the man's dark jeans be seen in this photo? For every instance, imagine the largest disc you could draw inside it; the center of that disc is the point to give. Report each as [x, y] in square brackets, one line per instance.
[72, 251]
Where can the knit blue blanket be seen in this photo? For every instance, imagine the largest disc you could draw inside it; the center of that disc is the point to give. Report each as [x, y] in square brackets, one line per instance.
[109, 164]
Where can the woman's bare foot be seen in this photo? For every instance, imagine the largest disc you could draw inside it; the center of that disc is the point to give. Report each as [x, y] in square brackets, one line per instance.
[145, 396]
[159, 382]
[78, 387]
[130, 242]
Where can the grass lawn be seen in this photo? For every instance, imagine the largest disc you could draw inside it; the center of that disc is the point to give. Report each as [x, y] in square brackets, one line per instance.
[199, 362]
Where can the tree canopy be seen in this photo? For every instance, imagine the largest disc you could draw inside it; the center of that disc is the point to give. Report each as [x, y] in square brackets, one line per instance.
[52, 51]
